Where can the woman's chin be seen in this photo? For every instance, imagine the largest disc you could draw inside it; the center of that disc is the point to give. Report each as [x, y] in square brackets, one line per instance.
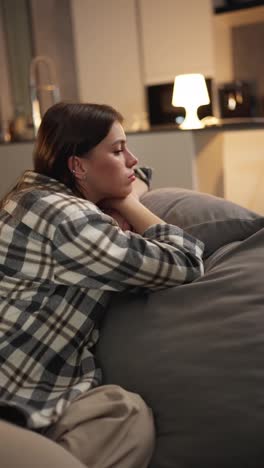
[123, 193]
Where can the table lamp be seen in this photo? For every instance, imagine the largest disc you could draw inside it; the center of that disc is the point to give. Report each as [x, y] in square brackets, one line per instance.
[190, 91]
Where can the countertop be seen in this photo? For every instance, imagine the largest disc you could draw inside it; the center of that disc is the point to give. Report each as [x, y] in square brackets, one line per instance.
[224, 125]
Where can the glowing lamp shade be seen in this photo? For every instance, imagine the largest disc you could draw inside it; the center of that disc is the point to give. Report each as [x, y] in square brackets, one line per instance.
[190, 92]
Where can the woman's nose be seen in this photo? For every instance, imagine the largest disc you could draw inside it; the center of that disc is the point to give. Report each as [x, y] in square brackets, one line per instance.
[131, 159]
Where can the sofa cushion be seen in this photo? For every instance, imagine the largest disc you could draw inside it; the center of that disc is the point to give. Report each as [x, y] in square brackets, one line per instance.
[195, 354]
[211, 219]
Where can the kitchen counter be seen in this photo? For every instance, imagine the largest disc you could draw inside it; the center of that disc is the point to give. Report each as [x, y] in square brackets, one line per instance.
[224, 125]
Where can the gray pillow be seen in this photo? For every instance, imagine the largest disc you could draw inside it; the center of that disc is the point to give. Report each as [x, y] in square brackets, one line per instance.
[195, 354]
[213, 220]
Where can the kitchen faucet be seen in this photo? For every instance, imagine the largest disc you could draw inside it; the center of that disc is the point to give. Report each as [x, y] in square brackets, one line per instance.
[36, 88]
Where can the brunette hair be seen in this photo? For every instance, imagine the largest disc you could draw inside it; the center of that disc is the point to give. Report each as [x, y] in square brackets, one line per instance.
[68, 129]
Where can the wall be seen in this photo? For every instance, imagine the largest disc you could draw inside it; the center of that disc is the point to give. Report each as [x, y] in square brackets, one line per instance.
[6, 106]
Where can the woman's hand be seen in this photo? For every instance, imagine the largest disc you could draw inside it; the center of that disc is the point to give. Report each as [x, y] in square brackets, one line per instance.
[121, 221]
[116, 207]
[132, 210]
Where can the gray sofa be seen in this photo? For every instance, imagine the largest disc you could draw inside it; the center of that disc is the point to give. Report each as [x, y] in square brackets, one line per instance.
[194, 352]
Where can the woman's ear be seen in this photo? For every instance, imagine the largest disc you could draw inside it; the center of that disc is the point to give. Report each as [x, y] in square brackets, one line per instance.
[70, 164]
[76, 166]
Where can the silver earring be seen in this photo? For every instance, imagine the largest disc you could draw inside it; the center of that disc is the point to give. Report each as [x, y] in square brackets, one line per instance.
[73, 171]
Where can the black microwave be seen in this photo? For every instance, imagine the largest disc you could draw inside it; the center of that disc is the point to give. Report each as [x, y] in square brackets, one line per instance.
[162, 112]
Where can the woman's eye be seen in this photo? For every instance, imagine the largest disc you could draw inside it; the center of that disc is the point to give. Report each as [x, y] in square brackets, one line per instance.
[117, 152]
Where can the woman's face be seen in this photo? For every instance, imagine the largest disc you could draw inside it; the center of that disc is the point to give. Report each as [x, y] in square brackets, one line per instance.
[108, 168]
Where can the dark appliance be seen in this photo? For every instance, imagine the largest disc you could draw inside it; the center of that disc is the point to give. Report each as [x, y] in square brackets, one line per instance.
[236, 100]
[224, 6]
[162, 112]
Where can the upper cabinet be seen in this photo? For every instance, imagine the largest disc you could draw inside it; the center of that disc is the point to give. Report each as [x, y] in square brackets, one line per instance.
[176, 37]
[238, 36]
[108, 55]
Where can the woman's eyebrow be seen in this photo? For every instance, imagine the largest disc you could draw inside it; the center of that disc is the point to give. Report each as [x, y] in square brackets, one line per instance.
[118, 141]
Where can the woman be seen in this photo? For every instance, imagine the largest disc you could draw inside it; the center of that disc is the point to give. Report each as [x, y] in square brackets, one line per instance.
[61, 259]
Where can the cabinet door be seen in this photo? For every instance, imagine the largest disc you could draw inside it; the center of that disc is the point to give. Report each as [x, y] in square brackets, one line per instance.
[176, 38]
[170, 154]
[107, 53]
[244, 168]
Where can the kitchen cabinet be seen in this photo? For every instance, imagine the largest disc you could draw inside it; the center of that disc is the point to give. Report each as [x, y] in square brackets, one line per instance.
[176, 37]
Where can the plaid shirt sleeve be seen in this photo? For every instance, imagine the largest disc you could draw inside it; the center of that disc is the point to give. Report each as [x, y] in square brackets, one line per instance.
[144, 174]
[91, 251]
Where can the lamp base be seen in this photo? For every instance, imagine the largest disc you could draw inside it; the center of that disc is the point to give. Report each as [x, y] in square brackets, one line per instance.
[191, 120]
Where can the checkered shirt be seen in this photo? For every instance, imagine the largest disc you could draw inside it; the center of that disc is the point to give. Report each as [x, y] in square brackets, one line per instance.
[61, 259]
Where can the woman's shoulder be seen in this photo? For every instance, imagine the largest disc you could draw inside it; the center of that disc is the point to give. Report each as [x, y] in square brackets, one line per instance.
[40, 207]
[58, 201]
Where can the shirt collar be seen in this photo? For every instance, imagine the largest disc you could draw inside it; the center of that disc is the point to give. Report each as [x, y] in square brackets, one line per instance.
[34, 179]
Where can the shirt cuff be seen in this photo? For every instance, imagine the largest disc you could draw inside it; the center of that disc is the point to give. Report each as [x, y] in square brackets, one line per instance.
[144, 174]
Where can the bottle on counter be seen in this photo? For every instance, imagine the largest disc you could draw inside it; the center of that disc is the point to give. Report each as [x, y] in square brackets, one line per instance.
[21, 128]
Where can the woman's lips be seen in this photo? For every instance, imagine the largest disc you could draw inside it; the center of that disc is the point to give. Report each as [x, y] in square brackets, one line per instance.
[132, 177]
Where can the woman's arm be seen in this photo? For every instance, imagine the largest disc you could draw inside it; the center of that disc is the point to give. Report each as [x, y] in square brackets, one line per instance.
[91, 251]
[136, 214]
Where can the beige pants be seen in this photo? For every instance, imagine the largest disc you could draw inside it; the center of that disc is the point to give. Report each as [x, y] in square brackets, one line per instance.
[107, 427]
[20, 448]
